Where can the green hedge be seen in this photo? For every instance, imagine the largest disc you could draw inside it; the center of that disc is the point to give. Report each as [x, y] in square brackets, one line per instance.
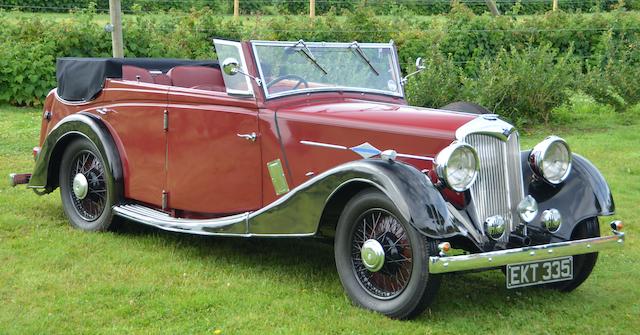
[521, 67]
[277, 7]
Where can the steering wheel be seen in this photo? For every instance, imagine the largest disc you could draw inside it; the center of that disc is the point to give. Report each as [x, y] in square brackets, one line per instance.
[289, 76]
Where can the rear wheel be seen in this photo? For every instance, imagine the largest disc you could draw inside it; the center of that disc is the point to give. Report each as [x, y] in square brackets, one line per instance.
[86, 187]
[582, 264]
[382, 260]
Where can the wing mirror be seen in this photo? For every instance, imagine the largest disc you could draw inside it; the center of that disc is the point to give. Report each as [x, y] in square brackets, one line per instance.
[420, 64]
[419, 68]
[230, 66]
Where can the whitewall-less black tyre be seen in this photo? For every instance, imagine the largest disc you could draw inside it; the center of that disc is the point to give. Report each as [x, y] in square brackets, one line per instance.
[582, 264]
[86, 187]
[382, 260]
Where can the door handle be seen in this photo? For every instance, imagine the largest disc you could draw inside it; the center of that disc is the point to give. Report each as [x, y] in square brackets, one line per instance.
[249, 137]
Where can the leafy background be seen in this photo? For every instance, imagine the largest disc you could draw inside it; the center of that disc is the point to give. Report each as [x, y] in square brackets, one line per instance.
[520, 66]
[278, 7]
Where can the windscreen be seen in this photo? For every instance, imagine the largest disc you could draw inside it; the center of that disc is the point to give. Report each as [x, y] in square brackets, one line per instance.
[295, 67]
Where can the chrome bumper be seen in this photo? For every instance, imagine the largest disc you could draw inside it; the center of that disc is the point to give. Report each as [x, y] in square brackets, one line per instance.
[520, 255]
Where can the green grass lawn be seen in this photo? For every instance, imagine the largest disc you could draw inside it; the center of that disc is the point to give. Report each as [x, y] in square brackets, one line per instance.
[55, 279]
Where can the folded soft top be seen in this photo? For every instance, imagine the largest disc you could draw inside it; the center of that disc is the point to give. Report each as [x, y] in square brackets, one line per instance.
[81, 79]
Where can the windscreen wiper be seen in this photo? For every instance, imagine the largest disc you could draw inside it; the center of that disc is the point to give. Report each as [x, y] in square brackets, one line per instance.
[355, 47]
[301, 47]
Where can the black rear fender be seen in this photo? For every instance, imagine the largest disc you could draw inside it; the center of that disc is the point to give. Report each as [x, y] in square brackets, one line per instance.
[46, 171]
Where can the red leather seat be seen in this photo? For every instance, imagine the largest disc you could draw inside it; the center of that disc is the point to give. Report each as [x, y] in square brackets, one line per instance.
[199, 77]
[162, 79]
[135, 73]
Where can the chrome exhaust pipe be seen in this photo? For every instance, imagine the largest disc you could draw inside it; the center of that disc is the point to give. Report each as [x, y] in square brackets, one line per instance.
[519, 240]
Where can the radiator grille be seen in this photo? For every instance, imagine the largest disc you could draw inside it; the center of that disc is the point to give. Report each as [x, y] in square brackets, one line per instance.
[498, 189]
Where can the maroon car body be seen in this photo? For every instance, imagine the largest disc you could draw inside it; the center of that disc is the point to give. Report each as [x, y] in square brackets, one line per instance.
[171, 144]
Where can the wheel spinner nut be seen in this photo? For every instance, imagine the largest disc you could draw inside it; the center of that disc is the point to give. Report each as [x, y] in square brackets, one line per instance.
[80, 186]
[372, 255]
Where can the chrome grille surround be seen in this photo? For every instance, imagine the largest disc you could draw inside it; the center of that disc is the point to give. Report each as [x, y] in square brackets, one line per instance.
[498, 188]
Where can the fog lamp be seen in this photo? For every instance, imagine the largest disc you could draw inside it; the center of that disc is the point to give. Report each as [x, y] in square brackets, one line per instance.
[495, 226]
[528, 209]
[552, 219]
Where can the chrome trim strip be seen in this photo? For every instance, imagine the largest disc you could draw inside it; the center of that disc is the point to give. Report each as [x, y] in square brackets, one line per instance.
[324, 145]
[527, 254]
[424, 158]
[342, 147]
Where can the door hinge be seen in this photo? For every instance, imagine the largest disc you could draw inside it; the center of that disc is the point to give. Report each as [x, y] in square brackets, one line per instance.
[166, 120]
[165, 200]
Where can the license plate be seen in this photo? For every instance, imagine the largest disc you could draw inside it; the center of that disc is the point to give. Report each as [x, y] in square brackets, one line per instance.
[541, 272]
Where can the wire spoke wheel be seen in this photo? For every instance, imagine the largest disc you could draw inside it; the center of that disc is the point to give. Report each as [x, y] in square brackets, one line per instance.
[382, 260]
[393, 277]
[87, 183]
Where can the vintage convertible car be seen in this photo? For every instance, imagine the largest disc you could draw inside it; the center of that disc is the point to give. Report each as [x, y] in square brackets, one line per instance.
[297, 139]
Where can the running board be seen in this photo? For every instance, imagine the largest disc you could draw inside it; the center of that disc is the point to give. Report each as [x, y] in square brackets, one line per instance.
[234, 225]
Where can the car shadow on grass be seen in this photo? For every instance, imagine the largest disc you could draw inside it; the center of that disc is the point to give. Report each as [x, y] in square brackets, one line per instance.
[466, 293]
[282, 255]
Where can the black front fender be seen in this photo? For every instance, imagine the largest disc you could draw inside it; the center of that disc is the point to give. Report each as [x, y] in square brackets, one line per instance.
[584, 194]
[45, 176]
[416, 198]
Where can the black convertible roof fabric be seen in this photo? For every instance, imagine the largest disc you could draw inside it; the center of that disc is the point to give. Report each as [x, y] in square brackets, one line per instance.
[81, 79]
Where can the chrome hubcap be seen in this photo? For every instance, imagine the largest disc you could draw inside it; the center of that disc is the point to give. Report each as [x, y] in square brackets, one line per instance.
[372, 255]
[80, 186]
[381, 254]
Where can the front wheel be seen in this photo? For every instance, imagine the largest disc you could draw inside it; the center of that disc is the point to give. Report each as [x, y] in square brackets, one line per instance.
[381, 259]
[86, 187]
[582, 264]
